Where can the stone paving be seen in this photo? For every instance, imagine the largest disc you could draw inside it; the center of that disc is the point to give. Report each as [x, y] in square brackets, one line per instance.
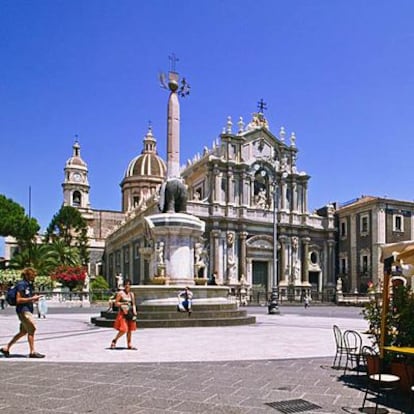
[234, 370]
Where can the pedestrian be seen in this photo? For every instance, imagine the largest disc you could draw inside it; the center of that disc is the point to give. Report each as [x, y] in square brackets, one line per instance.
[212, 281]
[2, 298]
[185, 299]
[306, 301]
[42, 307]
[24, 309]
[126, 319]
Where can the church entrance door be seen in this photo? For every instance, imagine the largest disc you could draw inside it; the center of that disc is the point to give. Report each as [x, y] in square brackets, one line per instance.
[314, 281]
[260, 281]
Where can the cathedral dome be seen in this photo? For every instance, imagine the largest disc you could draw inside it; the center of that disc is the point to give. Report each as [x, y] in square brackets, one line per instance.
[148, 163]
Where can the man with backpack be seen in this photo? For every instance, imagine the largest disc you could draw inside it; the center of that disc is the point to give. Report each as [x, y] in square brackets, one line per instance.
[24, 309]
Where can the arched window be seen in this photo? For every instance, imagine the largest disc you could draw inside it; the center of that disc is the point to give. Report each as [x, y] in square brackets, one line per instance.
[76, 199]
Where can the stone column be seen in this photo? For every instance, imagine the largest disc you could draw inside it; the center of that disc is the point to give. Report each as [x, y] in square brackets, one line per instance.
[305, 198]
[217, 184]
[215, 255]
[173, 133]
[283, 195]
[245, 190]
[242, 259]
[331, 263]
[282, 264]
[352, 232]
[230, 187]
[294, 206]
[305, 258]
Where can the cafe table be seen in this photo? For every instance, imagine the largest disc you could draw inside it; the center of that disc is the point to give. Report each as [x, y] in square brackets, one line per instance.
[407, 374]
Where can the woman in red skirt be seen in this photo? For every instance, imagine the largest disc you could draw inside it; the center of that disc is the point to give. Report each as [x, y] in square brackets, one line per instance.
[125, 321]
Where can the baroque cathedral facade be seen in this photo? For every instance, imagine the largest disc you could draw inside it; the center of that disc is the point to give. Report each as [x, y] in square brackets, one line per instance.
[248, 191]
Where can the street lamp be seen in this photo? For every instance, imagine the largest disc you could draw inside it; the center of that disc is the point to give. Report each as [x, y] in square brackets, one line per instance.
[273, 305]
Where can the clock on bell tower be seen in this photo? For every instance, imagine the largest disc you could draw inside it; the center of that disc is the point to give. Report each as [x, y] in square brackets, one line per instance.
[75, 185]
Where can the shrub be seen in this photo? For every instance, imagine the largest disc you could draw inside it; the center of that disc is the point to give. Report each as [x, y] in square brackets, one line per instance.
[69, 276]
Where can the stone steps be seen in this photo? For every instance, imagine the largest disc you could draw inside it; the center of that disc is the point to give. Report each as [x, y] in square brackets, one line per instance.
[166, 316]
[181, 323]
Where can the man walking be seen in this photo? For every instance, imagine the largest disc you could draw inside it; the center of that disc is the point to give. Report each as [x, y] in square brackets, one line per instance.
[24, 310]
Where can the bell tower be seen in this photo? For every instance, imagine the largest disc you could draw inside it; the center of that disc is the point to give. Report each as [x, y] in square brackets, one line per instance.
[75, 185]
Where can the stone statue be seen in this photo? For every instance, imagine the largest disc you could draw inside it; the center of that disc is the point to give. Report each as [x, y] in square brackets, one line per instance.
[86, 283]
[295, 243]
[231, 268]
[339, 285]
[160, 253]
[199, 260]
[199, 255]
[296, 270]
[173, 196]
[119, 281]
[230, 238]
[261, 199]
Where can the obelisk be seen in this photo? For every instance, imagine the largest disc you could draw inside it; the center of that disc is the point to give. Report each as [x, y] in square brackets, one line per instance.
[175, 230]
[173, 128]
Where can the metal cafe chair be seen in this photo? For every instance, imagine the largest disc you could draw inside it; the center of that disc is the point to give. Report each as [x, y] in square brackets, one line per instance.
[378, 383]
[353, 346]
[340, 346]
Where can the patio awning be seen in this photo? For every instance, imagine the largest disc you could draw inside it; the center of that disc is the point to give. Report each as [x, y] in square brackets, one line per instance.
[402, 251]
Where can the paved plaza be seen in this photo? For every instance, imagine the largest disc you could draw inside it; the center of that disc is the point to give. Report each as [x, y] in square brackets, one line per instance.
[232, 370]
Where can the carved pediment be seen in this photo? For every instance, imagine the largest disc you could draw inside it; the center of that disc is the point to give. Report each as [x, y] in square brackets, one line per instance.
[260, 242]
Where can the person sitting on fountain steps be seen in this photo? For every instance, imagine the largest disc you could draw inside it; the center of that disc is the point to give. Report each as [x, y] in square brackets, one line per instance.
[185, 298]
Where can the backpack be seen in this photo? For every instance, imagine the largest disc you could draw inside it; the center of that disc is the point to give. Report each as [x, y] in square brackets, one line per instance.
[11, 296]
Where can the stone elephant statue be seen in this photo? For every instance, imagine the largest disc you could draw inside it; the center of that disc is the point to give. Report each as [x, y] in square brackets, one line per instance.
[173, 196]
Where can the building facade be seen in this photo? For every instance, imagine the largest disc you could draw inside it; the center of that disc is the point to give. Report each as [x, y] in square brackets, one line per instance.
[364, 226]
[249, 192]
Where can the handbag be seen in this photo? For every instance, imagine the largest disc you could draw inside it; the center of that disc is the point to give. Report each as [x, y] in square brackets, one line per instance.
[130, 316]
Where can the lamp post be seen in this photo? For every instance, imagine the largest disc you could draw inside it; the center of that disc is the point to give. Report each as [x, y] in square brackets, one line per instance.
[273, 305]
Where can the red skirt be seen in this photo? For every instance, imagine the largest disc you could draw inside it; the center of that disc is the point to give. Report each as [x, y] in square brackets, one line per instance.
[123, 325]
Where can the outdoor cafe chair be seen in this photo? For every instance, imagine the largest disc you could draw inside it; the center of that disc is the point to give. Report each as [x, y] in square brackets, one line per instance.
[378, 382]
[353, 346]
[340, 346]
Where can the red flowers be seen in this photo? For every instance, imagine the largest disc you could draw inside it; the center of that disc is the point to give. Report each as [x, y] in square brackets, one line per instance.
[69, 276]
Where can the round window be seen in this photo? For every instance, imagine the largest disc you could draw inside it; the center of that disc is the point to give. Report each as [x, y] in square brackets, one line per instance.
[314, 257]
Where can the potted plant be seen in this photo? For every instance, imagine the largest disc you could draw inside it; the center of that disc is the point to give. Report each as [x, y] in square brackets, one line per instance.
[399, 329]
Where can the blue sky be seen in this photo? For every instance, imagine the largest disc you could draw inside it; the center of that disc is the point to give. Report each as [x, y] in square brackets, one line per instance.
[340, 74]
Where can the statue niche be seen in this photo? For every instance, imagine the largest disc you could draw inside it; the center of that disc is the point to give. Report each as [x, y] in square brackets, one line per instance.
[173, 196]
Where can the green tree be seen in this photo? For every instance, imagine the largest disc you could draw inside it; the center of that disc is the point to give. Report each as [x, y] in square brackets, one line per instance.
[69, 227]
[14, 222]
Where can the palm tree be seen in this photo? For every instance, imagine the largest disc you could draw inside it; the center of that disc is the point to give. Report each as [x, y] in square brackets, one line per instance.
[40, 256]
[66, 254]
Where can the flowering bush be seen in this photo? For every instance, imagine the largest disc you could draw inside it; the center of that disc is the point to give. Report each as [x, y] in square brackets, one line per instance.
[69, 276]
[9, 277]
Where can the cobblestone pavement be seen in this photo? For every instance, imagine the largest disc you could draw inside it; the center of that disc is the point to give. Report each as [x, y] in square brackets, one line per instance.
[236, 370]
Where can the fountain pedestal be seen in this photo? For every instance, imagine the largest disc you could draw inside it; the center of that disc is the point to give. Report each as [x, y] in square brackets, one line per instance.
[177, 233]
